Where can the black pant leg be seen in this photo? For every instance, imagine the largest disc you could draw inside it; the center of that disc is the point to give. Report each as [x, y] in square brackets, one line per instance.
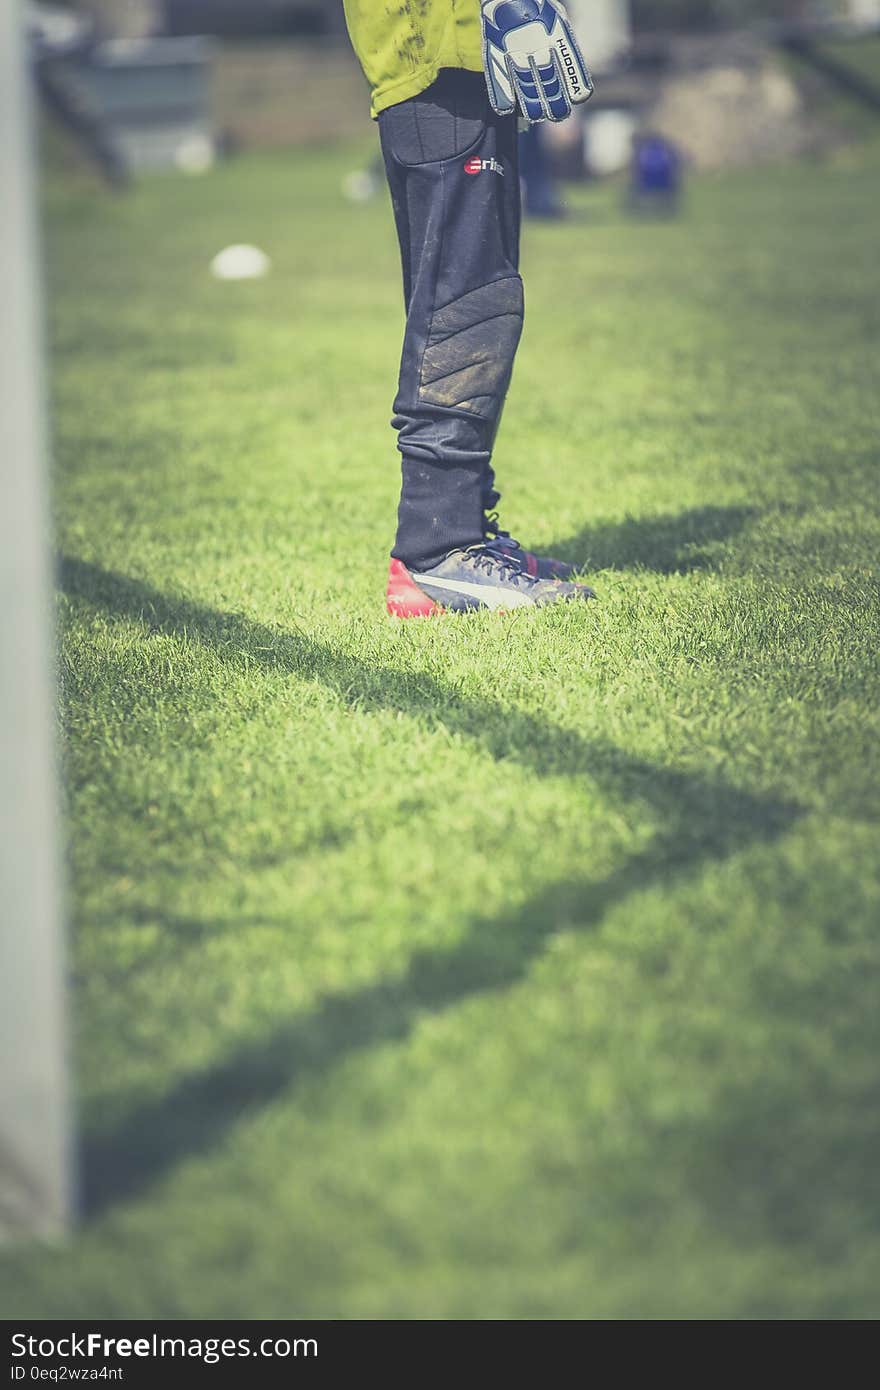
[452, 170]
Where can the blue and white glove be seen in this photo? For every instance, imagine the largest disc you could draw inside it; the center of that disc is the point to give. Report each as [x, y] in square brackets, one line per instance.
[531, 56]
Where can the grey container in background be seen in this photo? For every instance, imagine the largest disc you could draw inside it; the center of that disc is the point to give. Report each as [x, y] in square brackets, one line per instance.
[153, 98]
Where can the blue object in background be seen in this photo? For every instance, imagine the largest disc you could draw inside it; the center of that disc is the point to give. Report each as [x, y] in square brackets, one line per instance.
[656, 174]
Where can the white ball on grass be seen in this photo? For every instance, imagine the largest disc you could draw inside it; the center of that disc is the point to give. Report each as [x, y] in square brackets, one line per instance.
[195, 155]
[360, 186]
[240, 262]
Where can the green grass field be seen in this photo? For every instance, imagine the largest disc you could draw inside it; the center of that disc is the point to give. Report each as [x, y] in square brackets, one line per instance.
[495, 967]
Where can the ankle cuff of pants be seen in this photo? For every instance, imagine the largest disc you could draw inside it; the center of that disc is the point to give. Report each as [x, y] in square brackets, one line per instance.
[441, 509]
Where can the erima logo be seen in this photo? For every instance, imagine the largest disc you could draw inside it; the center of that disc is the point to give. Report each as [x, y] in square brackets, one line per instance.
[476, 166]
[570, 68]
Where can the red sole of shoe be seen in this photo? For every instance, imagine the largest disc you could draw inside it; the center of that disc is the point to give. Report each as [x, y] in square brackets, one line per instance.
[404, 598]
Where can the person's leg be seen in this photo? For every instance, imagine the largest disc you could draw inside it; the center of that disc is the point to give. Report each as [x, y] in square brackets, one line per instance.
[540, 192]
[452, 169]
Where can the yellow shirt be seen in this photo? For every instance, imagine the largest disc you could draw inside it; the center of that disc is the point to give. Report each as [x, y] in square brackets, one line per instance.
[403, 44]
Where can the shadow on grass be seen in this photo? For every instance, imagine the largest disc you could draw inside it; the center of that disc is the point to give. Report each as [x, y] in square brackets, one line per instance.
[676, 543]
[495, 953]
[243, 643]
[703, 819]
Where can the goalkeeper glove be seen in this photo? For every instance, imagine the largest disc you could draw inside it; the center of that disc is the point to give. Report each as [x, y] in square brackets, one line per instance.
[530, 55]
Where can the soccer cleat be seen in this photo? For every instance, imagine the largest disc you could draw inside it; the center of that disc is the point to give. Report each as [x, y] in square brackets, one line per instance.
[539, 566]
[480, 577]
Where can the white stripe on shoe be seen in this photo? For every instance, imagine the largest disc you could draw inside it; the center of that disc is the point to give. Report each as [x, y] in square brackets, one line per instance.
[490, 595]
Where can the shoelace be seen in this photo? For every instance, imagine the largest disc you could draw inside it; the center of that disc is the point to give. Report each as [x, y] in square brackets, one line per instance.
[488, 558]
[494, 528]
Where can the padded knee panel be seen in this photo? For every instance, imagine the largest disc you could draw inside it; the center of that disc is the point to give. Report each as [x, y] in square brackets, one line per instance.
[471, 346]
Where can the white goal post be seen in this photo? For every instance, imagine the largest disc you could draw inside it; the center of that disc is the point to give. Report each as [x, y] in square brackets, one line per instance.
[35, 1169]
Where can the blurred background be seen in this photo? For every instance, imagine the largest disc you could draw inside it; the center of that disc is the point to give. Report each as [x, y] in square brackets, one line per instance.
[183, 82]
